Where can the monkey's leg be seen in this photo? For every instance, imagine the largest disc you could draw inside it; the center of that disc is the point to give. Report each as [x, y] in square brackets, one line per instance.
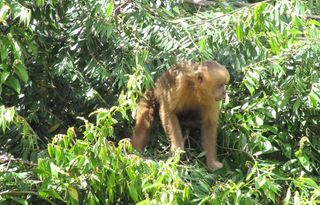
[209, 144]
[141, 132]
[172, 128]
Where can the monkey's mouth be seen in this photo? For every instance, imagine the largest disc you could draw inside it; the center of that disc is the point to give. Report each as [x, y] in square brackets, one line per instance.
[218, 99]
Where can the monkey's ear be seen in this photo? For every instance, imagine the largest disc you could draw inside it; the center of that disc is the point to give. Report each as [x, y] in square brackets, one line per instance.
[199, 76]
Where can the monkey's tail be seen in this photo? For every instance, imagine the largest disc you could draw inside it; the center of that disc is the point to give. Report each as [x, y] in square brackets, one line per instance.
[144, 119]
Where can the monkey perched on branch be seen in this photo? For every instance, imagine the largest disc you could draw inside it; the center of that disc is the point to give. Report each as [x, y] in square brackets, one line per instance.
[186, 87]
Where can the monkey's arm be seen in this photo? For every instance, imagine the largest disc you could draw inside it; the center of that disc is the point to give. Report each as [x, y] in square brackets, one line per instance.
[171, 126]
[209, 139]
[144, 119]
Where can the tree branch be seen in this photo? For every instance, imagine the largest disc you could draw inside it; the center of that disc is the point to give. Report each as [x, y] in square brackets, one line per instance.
[200, 2]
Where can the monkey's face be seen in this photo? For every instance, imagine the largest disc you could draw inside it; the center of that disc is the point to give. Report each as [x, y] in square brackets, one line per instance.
[219, 78]
[212, 77]
[219, 92]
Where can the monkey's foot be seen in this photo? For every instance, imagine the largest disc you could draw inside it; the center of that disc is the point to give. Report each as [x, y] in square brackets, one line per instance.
[214, 165]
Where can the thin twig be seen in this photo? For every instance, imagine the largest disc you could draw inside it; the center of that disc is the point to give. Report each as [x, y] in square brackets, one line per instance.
[238, 150]
[200, 2]
[187, 138]
[312, 17]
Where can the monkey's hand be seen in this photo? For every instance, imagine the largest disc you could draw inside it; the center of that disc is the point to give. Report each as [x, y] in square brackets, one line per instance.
[214, 165]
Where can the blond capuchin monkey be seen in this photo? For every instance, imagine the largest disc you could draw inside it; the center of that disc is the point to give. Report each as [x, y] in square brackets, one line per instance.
[187, 86]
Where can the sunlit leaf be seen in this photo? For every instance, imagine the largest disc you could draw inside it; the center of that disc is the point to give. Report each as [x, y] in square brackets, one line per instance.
[296, 198]
[40, 2]
[259, 121]
[239, 32]
[309, 182]
[305, 161]
[314, 99]
[274, 44]
[73, 193]
[4, 76]
[4, 11]
[144, 202]
[109, 9]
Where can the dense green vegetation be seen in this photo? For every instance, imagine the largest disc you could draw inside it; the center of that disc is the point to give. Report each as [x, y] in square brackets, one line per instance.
[70, 74]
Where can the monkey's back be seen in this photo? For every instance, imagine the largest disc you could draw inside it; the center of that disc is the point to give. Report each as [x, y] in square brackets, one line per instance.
[176, 88]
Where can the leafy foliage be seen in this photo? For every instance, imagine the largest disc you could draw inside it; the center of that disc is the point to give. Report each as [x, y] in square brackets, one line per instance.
[63, 60]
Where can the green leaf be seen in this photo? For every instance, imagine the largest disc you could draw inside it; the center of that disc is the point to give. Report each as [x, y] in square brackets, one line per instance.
[16, 49]
[3, 53]
[287, 150]
[296, 198]
[310, 182]
[239, 32]
[304, 161]
[296, 105]
[237, 64]
[4, 76]
[6, 117]
[22, 72]
[133, 192]
[144, 202]
[25, 16]
[9, 114]
[275, 47]
[286, 97]
[257, 15]
[109, 30]
[52, 193]
[202, 44]
[19, 200]
[13, 83]
[314, 99]
[287, 198]
[259, 121]
[4, 11]
[250, 84]
[259, 182]
[109, 9]
[73, 193]
[92, 199]
[186, 193]
[39, 2]
[314, 22]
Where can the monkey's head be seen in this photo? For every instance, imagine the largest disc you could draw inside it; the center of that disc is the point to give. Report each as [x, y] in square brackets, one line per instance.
[212, 78]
